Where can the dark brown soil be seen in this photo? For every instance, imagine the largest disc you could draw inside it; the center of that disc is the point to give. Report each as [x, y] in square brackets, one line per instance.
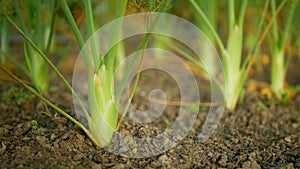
[253, 136]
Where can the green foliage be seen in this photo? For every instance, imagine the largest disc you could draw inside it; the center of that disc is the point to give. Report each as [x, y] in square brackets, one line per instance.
[35, 127]
[168, 122]
[285, 99]
[203, 109]
[53, 89]
[137, 90]
[16, 96]
[38, 70]
[261, 106]
[34, 124]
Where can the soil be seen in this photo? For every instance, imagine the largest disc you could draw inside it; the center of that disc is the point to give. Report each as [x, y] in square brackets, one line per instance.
[259, 134]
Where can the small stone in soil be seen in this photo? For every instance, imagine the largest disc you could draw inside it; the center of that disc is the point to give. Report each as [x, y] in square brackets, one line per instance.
[164, 160]
[134, 151]
[52, 137]
[223, 161]
[290, 166]
[77, 157]
[2, 148]
[288, 139]
[25, 139]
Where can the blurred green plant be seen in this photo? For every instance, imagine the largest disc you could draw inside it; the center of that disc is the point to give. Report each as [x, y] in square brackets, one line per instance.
[236, 70]
[4, 32]
[168, 122]
[34, 124]
[261, 106]
[43, 38]
[16, 96]
[6, 9]
[277, 40]
[209, 8]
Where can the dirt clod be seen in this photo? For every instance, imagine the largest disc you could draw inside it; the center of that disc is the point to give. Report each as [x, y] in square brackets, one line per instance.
[22, 128]
[59, 120]
[3, 131]
[223, 161]
[251, 164]
[41, 140]
[96, 166]
[164, 160]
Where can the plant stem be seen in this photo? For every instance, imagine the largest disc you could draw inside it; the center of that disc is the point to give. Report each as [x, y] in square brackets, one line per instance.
[231, 16]
[4, 40]
[132, 92]
[91, 31]
[72, 22]
[143, 45]
[210, 10]
[16, 63]
[260, 25]
[274, 23]
[278, 63]
[51, 34]
[39, 24]
[254, 51]
[77, 34]
[20, 17]
[116, 33]
[264, 34]
[211, 28]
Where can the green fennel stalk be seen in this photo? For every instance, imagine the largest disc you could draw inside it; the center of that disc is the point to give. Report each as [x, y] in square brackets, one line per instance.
[277, 47]
[232, 53]
[103, 116]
